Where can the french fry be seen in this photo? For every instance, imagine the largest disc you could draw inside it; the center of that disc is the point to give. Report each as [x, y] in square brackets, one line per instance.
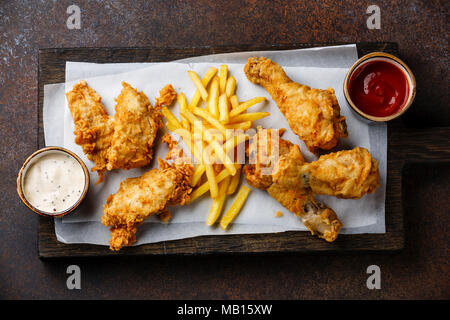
[245, 105]
[185, 123]
[234, 141]
[171, 127]
[205, 186]
[249, 117]
[223, 74]
[188, 140]
[234, 102]
[217, 204]
[198, 173]
[239, 125]
[210, 174]
[171, 118]
[203, 130]
[205, 80]
[198, 84]
[208, 126]
[235, 207]
[197, 150]
[230, 87]
[198, 126]
[181, 98]
[193, 119]
[205, 166]
[185, 134]
[223, 108]
[234, 181]
[183, 106]
[214, 97]
[208, 76]
[212, 120]
[220, 153]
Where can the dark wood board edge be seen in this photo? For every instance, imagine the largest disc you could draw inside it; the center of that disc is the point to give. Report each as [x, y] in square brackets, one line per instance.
[51, 60]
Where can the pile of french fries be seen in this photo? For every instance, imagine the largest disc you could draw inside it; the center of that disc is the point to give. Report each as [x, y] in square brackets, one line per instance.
[212, 126]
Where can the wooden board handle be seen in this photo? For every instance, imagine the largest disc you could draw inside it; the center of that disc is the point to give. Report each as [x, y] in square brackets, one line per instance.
[421, 145]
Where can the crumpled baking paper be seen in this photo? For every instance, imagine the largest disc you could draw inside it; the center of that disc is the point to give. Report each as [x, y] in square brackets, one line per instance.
[316, 67]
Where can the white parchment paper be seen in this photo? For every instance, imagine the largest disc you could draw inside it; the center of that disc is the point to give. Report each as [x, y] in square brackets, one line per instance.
[326, 67]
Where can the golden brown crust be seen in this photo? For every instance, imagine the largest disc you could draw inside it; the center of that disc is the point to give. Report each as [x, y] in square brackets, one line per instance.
[293, 182]
[93, 127]
[166, 97]
[136, 124]
[151, 193]
[263, 158]
[313, 114]
[348, 174]
[325, 224]
[121, 142]
[319, 219]
[263, 152]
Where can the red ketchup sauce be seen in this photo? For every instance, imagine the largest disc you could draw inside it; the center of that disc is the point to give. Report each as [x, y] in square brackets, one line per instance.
[379, 88]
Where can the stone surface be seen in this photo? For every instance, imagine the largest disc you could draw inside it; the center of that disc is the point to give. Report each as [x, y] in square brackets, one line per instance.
[419, 27]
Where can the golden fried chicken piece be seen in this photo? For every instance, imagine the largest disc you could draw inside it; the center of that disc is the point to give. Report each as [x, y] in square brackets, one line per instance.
[313, 114]
[93, 127]
[121, 142]
[136, 124]
[166, 96]
[348, 174]
[263, 153]
[151, 193]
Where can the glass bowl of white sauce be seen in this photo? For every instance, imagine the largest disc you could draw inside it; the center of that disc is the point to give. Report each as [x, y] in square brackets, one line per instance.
[53, 181]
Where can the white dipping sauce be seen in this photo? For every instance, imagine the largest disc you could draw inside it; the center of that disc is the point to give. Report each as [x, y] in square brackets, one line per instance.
[54, 182]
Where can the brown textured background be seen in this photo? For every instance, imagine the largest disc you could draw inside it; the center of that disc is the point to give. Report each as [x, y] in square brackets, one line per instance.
[419, 27]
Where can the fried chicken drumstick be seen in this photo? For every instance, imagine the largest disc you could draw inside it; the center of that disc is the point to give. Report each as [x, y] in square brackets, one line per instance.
[151, 193]
[263, 153]
[347, 174]
[312, 114]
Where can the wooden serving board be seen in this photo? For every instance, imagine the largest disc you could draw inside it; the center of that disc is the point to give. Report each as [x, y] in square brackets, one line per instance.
[401, 144]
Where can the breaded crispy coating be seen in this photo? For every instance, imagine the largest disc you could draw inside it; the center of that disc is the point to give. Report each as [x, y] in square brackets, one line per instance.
[312, 114]
[348, 174]
[264, 151]
[136, 125]
[151, 193]
[124, 141]
[93, 127]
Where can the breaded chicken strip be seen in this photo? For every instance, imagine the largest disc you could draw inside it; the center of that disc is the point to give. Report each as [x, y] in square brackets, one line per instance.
[136, 124]
[93, 127]
[313, 114]
[263, 152]
[124, 141]
[151, 193]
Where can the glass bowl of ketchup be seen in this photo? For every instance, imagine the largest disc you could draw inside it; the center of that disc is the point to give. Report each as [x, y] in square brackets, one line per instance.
[379, 87]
